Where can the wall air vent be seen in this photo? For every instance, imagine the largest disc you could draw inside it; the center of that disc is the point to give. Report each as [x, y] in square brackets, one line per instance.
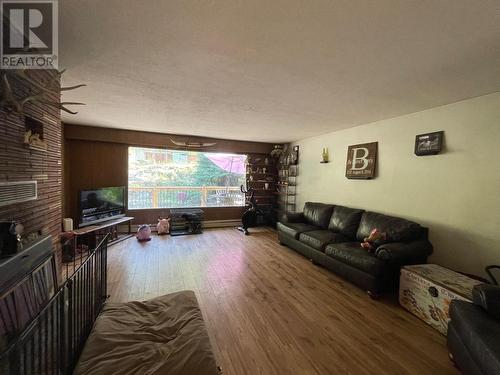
[17, 192]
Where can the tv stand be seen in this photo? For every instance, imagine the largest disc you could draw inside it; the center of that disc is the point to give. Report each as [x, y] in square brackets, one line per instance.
[91, 235]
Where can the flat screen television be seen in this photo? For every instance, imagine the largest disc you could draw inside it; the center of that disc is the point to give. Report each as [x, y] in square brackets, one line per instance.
[98, 205]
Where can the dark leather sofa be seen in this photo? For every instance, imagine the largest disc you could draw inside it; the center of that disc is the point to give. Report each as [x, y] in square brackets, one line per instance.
[330, 235]
[474, 332]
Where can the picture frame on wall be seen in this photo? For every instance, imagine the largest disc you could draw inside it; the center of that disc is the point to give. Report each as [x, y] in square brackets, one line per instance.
[429, 143]
[361, 161]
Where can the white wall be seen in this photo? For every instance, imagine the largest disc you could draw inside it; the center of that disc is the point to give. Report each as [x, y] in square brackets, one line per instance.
[456, 193]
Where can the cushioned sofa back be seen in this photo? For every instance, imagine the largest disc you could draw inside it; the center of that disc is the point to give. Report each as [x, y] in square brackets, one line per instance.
[318, 213]
[345, 220]
[397, 229]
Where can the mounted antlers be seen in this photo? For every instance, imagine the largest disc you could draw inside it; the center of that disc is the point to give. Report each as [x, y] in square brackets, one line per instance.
[192, 144]
[8, 98]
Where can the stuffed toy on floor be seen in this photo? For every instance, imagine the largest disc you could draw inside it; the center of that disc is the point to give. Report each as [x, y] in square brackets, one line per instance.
[163, 226]
[143, 233]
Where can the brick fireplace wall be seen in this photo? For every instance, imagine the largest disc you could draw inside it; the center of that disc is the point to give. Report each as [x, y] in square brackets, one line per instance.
[20, 163]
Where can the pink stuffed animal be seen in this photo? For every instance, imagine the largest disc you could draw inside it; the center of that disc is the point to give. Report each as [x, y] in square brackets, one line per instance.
[144, 233]
[163, 226]
[375, 239]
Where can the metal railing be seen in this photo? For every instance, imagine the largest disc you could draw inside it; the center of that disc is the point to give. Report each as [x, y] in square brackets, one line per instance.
[53, 341]
[184, 196]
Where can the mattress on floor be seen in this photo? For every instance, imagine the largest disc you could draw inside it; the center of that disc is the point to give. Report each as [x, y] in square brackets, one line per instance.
[164, 335]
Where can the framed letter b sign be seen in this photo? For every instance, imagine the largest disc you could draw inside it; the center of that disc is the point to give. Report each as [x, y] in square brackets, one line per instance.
[361, 161]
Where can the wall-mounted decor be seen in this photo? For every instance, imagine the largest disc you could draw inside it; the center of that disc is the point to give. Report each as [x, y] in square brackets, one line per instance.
[41, 92]
[324, 156]
[277, 151]
[429, 143]
[192, 144]
[361, 161]
[33, 134]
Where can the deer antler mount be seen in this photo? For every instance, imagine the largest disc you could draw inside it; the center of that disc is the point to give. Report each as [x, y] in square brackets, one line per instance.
[40, 92]
[192, 144]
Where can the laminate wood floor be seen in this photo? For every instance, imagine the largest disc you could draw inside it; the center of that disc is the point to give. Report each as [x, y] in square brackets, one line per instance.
[268, 310]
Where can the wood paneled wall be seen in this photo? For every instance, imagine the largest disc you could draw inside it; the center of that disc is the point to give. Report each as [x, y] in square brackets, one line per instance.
[89, 165]
[98, 157]
[20, 163]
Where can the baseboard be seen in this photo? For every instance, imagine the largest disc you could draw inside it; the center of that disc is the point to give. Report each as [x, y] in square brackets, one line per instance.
[206, 224]
[221, 223]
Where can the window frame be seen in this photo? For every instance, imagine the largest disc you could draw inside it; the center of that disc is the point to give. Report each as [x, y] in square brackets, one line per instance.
[182, 150]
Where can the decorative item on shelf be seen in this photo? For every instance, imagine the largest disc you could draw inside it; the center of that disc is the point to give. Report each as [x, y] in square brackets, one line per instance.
[192, 144]
[277, 151]
[67, 224]
[33, 134]
[283, 155]
[266, 185]
[10, 101]
[29, 238]
[266, 161]
[254, 160]
[429, 143]
[324, 155]
[294, 156]
[33, 141]
[361, 161]
[264, 170]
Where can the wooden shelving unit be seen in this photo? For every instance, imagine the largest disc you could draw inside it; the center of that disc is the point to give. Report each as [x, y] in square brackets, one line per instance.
[288, 170]
[261, 170]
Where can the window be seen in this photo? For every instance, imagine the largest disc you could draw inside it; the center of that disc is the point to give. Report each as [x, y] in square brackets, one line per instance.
[160, 178]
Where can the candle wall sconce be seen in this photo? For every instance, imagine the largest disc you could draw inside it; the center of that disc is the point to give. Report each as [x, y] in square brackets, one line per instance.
[324, 156]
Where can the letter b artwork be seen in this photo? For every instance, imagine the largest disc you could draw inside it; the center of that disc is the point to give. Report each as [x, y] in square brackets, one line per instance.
[361, 161]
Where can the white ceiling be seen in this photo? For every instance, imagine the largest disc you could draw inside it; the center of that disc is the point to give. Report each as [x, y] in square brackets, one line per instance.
[273, 70]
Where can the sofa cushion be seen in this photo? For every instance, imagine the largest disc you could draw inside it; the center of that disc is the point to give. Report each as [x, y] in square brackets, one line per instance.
[352, 254]
[479, 332]
[318, 239]
[397, 229]
[295, 229]
[345, 220]
[318, 214]
[164, 335]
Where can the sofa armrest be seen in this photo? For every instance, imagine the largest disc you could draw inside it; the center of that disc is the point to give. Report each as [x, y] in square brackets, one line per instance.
[294, 217]
[401, 252]
[488, 297]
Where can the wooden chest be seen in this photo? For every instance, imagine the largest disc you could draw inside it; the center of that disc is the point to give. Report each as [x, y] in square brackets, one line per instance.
[426, 291]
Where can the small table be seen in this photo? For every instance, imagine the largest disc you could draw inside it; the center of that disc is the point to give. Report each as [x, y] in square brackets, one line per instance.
[426, 290]
[91, 235]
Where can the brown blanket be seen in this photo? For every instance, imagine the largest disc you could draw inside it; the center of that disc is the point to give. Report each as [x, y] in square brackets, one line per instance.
[165, 335]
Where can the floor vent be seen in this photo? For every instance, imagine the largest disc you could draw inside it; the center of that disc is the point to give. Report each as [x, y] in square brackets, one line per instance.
[16, 192]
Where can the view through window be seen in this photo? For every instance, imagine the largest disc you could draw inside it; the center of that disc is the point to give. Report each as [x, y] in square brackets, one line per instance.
[160, 178]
